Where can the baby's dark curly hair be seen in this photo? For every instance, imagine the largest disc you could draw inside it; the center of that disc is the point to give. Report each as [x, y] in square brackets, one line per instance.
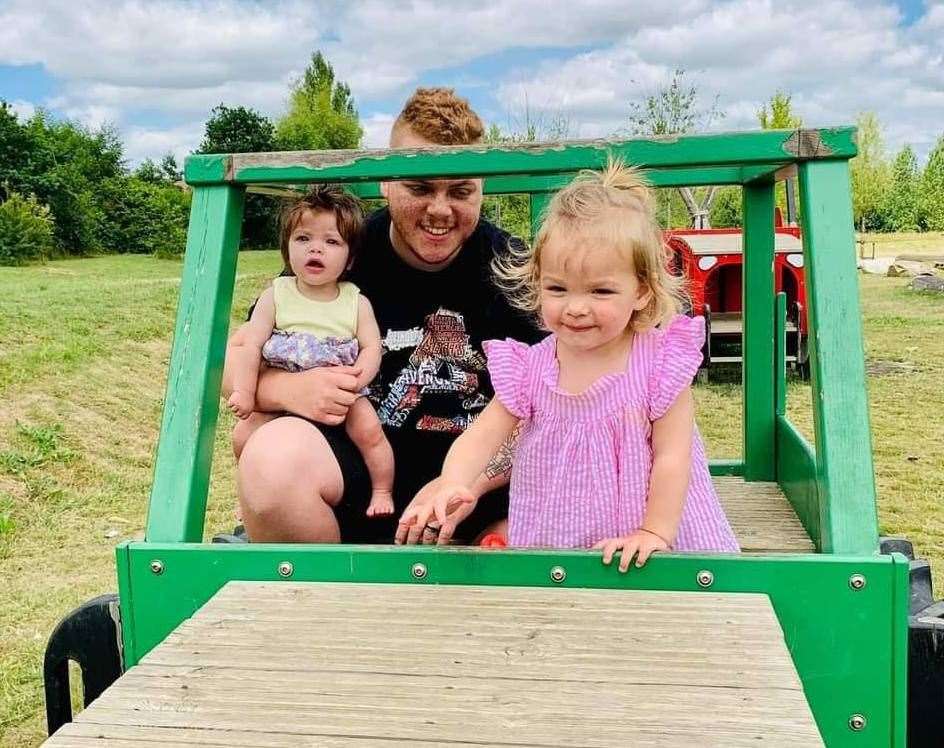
[330, 198]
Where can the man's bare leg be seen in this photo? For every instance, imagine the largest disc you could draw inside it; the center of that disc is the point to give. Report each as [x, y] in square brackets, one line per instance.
[289, 480]
[364, 428]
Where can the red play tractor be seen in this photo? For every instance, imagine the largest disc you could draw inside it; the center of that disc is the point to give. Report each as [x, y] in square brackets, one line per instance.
[711, 260]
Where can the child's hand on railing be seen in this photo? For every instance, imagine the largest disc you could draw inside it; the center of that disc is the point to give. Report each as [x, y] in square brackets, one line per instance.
[641, 544]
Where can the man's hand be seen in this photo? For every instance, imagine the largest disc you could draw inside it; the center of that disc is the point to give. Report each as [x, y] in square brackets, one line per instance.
[641, 544]
[418, 524]
[323, 394]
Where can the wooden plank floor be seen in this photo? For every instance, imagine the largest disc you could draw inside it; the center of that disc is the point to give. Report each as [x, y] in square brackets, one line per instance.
[761, 517]
[357, 665]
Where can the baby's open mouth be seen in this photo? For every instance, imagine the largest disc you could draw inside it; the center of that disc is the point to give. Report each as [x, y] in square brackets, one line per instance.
[315, 263]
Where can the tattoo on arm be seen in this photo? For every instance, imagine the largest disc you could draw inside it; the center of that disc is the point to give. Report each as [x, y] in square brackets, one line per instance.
[500, 464]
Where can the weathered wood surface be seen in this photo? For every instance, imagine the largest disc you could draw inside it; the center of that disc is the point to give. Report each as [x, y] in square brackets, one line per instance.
[289, 664]
[761, 517]
[759, 153]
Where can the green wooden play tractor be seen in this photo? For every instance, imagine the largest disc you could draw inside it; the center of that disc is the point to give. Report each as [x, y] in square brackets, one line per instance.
[802, 639]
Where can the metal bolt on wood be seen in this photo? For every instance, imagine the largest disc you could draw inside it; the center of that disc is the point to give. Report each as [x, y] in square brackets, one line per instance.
[558, 574]
[705, 578]
[157, 566]
[419, 571]
[286, 569]
[857, 722]
[857, 581]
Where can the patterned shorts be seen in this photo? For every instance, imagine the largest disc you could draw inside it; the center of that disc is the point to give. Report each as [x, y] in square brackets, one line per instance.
[298, 351]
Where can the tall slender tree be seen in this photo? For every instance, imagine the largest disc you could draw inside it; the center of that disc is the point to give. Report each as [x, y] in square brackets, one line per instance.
[870, 174]
[904, 192]
[932, 189]
[321, 112]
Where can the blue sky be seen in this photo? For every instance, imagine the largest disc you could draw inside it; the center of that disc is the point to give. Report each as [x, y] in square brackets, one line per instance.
[154, 70]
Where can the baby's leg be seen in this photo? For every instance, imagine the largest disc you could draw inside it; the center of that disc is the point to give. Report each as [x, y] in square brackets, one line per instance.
[364, 428]
[245, 428]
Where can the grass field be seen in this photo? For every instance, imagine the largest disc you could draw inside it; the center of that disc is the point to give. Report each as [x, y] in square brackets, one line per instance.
[83, 354]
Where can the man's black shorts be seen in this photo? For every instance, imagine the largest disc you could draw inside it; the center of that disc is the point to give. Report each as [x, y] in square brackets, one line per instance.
[357, 527]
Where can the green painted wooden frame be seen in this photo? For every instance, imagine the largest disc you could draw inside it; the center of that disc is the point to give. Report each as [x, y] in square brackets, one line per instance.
[849, 646]
[844, 491]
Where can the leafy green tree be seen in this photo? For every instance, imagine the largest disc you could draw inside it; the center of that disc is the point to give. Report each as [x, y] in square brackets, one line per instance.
[777, 114]
[166, 172]
[902, 211]
[242, 130]
[170, 169]
[26, 230]
[145, 217]
[674, 109]
[17, 147]
[727, 210]
[321, 113]
[62, 166]
[870, 174]
[149, 172]
[932, 189]
[237, 130]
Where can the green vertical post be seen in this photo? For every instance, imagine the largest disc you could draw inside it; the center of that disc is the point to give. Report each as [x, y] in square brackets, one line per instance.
[191, 404]
[539, 201]
[758, 336]
[845, 478]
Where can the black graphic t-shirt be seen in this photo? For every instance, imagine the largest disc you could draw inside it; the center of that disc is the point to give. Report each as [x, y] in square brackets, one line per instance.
[433, 379]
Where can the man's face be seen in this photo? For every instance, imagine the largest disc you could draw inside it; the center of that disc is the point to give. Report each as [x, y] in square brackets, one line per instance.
[430, 219]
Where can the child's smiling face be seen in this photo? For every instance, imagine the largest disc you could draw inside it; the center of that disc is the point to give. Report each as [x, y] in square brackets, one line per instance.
[588, 293]
[317, 252]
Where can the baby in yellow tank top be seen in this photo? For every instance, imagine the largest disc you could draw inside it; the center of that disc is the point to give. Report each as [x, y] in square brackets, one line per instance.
[311, 318]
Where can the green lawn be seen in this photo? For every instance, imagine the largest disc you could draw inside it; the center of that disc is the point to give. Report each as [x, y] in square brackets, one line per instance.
[83, 355]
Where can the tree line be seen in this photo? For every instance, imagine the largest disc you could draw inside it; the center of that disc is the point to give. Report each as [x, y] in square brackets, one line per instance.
[65, 189]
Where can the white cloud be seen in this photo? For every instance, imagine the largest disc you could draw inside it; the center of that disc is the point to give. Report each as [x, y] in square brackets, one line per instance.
[837, 57]
[377, 130]
[141, 142]
[125, 61]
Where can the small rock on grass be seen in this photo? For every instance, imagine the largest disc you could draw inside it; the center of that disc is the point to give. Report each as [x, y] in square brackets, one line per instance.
[927, 283]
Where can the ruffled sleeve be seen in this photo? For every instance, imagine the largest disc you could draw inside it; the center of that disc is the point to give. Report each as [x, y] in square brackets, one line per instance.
[677, 356]
[509, 368]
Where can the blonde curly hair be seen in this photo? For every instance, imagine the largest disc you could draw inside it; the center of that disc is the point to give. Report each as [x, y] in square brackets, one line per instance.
[611, 209]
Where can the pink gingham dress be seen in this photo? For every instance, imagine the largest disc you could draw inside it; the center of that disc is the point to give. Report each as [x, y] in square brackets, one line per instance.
[581, 470]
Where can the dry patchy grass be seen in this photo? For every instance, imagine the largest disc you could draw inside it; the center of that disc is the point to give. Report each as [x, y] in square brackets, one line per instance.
[83, 355]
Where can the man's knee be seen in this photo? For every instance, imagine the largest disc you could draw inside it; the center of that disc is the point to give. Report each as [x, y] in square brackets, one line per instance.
[287, 463]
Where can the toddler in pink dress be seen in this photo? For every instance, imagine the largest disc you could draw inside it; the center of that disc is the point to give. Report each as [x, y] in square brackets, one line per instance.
[608, 454]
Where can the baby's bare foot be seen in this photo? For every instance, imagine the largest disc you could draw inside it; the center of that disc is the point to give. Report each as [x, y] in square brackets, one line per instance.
[381, 504]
